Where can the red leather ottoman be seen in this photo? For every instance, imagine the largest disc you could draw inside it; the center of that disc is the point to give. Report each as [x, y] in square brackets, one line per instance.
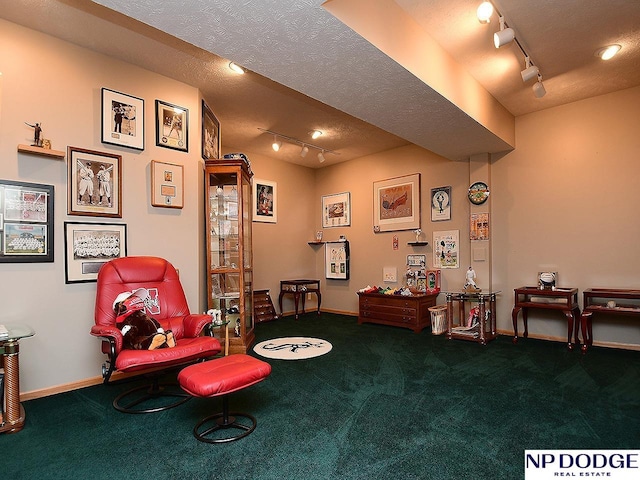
[220, 377]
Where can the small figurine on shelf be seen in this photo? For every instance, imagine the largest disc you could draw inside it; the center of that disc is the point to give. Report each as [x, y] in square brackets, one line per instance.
[237, 328]
[37, 131]
[470, 283]
[417, 232]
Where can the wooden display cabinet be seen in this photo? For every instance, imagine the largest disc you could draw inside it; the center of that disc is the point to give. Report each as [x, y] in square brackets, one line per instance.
[229, 252]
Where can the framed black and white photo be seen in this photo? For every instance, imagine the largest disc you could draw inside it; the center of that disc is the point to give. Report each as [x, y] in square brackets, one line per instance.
[440, 204]
[172, 126]
[122, 119]
[26, 222]
[88, 246]
[210, 133]
[265, 201]
[94, 183]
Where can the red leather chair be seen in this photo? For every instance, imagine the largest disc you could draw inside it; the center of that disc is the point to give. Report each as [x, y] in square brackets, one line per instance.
[168, 305]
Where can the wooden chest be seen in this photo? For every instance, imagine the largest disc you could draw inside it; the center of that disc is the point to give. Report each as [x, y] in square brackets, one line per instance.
[396, 310]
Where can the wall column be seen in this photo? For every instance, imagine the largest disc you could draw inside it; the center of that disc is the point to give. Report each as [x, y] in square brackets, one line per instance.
[480, 258]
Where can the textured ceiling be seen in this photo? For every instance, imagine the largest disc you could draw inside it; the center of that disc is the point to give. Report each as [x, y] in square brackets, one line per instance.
[308, 70]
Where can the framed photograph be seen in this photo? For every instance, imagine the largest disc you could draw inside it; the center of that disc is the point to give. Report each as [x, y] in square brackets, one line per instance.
[88, 246]
[172, 126]
[417, 260]
[265, 201]
[210, 133]
[440, 204]
[336, 260]
[396, 204]
[94, 183]
[167, 185]
[336, 210]
[122, 119]
[26, 222]
[446, 249]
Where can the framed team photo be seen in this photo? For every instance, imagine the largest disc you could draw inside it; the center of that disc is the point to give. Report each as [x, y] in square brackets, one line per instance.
[210, 133]
[172, 126]
[122, 119]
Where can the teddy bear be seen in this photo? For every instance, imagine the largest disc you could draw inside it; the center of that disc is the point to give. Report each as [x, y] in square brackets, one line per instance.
[139, 330]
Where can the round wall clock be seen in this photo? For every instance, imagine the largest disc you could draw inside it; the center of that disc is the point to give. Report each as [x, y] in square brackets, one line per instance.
[478, 193]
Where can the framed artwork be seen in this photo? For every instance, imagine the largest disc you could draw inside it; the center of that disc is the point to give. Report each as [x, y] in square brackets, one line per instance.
[440, 204]
[446, 249]
[336, 210]
[265, 201]
[88, 246]
[479, 226]
[122, 119]
[336, 260]
[26, 222]
[396, 204]
[416, 260]
[94, 183]
[172, 126]
[210, 133]
[167, 185]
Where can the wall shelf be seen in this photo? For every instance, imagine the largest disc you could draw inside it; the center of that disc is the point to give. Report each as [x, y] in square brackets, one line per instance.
[44, 152]
[418, 244]
[315, 243]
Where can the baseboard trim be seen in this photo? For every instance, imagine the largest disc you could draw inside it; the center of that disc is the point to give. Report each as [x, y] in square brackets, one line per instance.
[620, 346]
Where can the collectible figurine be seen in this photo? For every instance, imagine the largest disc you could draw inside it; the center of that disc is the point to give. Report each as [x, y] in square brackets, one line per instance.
[37, 131]
[470, 283]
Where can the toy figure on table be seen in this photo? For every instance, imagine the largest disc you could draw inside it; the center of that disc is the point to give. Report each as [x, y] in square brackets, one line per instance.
[470, 283]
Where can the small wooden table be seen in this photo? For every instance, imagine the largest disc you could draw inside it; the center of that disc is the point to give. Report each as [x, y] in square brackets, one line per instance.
[563, 299]
[299, 288]
[596, 300]
[485, 330]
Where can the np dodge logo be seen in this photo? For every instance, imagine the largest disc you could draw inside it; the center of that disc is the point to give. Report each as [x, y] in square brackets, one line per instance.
[613, 464]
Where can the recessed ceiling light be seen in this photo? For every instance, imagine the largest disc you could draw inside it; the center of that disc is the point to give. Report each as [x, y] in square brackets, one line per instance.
[236, 68]
[608, 52]
[315, 134]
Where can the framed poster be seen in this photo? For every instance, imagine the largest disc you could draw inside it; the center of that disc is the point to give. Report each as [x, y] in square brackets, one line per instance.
[122, 119]
[336, 210]
[336, 260]
[479, 226]
[396, 204]
[26, 222]
[265, 201]
[440, 204]
[167, 185]
[210, 133]
[88, 246]
[172, 126]
[94, 183]
[446, 249]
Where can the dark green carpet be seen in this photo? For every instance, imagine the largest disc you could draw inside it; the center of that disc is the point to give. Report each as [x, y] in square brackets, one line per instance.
[384, 403]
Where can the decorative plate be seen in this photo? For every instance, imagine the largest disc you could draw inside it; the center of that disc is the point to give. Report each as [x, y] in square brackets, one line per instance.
[478, 193]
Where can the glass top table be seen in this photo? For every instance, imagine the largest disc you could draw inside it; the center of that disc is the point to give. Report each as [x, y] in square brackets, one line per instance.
[17, 331]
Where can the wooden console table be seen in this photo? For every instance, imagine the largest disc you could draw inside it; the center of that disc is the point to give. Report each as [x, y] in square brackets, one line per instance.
[596, 300]
[563, 299]
[408, 311]
[299, 288]
[485, 330]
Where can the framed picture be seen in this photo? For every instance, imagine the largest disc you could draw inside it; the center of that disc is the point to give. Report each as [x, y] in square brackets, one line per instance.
[265, 201]
[172, 126]
[88, 246]
[167, 185]
[417, 260]
[396, 204]
[94, 183]
[479, 226]
[446, 249]
[440, 204]
[336, 260]
[210, 133]
[26, 222]
[122, 119]
[336, 210]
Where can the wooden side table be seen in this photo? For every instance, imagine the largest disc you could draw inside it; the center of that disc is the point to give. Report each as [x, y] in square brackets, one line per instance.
[299, 288]
[603, 300]
[12, 420]
[563, 299]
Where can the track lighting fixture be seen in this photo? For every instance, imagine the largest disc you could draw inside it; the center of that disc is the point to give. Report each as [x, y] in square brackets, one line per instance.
[277, 144]
[236, 68]
[530, 71]
[505, 36]
[484, 12]
[538, 88]
[608, 52]
[316, 134]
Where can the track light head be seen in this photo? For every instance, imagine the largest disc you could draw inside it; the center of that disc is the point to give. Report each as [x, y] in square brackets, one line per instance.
[505, 36]
[484, 12]
[321, 158]
[276, 144]
[530, 71]
[538, 88]
[304, 151]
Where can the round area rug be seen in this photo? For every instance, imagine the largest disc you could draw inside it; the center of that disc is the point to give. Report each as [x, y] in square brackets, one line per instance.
[292, 348]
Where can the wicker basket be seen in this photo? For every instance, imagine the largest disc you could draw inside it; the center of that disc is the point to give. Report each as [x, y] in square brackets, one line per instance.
[438, 319]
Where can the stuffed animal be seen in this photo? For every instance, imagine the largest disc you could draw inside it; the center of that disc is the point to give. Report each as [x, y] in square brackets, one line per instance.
[139, 331]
